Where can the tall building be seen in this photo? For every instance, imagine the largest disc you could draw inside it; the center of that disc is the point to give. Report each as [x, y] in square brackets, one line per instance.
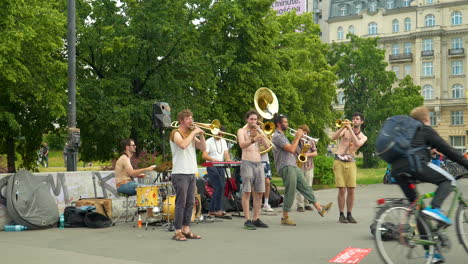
[422, 38]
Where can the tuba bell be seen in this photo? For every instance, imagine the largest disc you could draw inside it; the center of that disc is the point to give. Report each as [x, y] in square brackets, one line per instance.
[266, 103]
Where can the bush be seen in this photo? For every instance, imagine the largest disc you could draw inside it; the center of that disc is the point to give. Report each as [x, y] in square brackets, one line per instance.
[323, 170]
[56, 141]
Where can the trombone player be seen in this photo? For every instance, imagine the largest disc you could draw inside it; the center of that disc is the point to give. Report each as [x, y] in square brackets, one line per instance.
[251, 169]
[309, 151]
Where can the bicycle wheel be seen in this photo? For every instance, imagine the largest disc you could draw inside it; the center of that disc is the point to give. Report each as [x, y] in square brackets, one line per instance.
[461, 222]
[400, 240]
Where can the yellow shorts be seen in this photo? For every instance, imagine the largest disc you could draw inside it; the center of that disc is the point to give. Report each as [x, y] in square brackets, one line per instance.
[345, 173]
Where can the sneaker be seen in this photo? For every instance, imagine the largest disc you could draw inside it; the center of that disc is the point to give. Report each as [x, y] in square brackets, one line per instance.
[325, 209]
[259, 223]
[249, 225]
[351, 219]
[437, 214]
[267, 208]
[300, 209]
[287, 221]
[437, 258]
[309, 208]
[343, 219]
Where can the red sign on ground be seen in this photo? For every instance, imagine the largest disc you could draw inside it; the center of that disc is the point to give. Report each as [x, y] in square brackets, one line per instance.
[350, 255]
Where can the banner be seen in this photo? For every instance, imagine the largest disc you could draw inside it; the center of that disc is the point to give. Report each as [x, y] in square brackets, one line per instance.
[282, 6]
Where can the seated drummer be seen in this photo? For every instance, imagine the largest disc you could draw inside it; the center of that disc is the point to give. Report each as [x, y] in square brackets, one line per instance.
[124, 173]
[217, 150]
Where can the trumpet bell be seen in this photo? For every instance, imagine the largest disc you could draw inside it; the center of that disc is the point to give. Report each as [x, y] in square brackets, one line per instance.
[340, 123]
[266, 103]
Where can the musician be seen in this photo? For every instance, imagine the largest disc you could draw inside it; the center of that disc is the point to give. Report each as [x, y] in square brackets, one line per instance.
[293, 177]
[217, 150]
[124, 174]
[307, 168]
[183, 142]
[251, 169]
[267, 170]
[344, 165]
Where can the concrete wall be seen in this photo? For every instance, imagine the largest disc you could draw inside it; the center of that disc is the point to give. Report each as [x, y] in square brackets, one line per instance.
[67, 187]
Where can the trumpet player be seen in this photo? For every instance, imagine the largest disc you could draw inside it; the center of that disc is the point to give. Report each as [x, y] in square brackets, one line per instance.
[344, 165]
[308, 149]
[183, 142]
[293, 177]
[251, 169]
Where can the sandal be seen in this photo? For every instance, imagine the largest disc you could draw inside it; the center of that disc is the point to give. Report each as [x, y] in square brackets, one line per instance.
[179, 237]
[191, 235]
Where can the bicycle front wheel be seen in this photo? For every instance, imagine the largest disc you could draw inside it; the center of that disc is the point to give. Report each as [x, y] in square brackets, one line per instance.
[461, 222]
[401, 239]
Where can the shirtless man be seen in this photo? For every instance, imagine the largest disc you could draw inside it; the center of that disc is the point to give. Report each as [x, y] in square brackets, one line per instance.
[124, 173]
[251, 170]
[344, 165]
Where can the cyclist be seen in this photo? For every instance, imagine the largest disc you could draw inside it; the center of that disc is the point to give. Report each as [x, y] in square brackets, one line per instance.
[428, 138]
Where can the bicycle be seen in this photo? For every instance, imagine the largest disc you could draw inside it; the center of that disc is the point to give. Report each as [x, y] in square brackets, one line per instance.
[404, 235]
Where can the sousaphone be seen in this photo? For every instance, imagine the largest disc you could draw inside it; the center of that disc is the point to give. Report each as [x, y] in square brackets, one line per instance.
[267, 106]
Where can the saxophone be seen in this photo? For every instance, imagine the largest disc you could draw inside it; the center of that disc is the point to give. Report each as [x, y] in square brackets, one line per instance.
[302, 158]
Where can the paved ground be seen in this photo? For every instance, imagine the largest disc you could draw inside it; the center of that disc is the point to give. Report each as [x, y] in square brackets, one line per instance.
[313, 240]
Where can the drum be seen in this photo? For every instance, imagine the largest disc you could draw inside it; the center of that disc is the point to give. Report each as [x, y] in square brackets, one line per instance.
[147, 195]
[168, 207]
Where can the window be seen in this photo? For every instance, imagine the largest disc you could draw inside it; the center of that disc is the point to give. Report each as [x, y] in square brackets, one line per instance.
[457, 117]
[395, 26]
[372, 28]
[373, 6]
[340, 33]
[432, 118]
[429, 1]
[427, 44]
[407, 24]
[407, 48]
[351, 29]
[427, 92]
[358, 8]
[395, 49]
[457, 43]
[456, 18]
[407, 70]
[427, 69]
[343, 10]
[406, 3]
[457, 67]
[458, 142]
[390, 4]
[396, 70]
[457, 91]
[429, 21]
[341, 99]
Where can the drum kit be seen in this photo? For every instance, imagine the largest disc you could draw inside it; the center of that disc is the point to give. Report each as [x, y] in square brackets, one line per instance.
[161, 198]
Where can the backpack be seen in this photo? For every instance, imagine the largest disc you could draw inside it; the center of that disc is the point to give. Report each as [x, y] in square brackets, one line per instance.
[29, 201]
[275, 199]
[394, 140]
[74, 217]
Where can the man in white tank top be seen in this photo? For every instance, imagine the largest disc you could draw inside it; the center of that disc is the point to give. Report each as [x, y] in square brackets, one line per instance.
[183, 142]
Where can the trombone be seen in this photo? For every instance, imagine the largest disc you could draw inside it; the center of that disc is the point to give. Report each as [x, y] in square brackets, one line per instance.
[214, 128]
[304, 137]
[341, 123]
[268, 128]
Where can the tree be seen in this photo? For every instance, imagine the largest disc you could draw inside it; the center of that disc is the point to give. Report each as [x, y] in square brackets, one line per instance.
[368, 89]
[32, 76]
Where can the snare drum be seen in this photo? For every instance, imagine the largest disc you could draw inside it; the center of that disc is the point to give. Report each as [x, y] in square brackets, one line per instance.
[147, 195]
[168, 207]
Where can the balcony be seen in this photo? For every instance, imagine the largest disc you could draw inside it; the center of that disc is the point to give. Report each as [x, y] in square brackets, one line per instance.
[427, 53]
[456, 52]
[403, 57]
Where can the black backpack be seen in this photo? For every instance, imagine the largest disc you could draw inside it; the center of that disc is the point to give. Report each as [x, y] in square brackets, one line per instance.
[275, 199]
[75, 217]
[394, 140]
[30, 202]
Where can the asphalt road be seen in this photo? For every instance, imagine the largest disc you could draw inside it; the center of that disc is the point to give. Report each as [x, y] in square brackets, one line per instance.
[313, 240]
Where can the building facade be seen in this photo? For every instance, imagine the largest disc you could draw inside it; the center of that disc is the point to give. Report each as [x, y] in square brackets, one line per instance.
[422, 38]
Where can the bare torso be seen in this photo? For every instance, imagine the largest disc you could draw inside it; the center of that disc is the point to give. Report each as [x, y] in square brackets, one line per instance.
[251, 152]
[346, 145]
[121, 175]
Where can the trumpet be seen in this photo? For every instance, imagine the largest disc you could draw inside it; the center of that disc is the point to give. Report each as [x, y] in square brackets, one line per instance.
[214, 128]
[341, 123]
[304, 137]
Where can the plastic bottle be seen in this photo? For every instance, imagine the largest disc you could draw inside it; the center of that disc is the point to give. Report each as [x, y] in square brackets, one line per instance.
[12, 228]
[62, 222]
[140, 223]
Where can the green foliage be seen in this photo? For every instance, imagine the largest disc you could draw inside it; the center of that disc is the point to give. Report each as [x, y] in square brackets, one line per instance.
[32, 76]
[368, 88]
[56, 141]
[323, 170]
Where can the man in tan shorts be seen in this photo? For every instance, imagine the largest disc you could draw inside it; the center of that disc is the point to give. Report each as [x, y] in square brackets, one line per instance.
[251, 169]
[344, 165]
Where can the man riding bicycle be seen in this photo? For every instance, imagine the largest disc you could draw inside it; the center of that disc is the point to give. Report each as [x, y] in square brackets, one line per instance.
[427, 138]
